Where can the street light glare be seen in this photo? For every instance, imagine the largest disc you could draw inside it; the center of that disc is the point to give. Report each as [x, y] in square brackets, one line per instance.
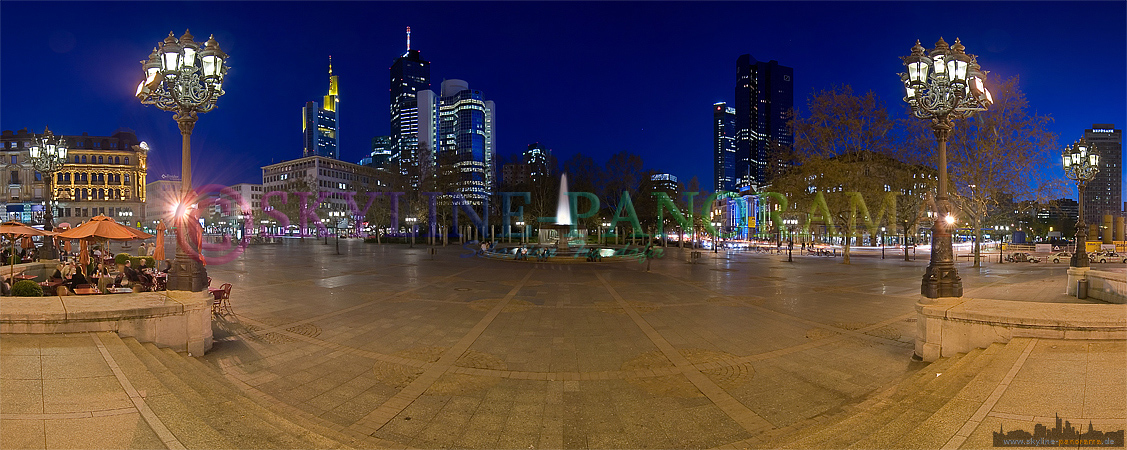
[950, 219]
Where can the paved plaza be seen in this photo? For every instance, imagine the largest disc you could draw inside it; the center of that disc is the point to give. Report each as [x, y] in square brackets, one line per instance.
[397, 347]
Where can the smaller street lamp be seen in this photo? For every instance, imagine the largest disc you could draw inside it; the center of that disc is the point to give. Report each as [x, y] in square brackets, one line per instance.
[1081, 163]
[411, 229]
[48, 154]
[520, 224]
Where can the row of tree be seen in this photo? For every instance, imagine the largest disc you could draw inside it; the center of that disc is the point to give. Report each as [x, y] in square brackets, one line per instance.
[848, 144]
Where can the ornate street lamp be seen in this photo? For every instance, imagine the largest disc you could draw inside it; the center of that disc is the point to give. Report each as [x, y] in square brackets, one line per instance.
[941, 86]
[1081, 163]
[48, 154]
[182, 78]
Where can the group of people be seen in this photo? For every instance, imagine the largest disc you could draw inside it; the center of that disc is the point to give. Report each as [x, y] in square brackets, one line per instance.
[22, 255]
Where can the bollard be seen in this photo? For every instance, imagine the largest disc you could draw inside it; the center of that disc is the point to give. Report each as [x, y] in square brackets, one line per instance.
[1082, 288]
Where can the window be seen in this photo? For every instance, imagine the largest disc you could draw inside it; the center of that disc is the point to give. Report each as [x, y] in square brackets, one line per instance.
[15, 159]
[127, 160]
[113, 144]
[38, 176]
[99, 160]
[76, 159]
[15, 179]
[83, 159]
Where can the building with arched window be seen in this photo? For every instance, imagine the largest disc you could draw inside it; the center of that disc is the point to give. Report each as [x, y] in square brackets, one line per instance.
[102, 175]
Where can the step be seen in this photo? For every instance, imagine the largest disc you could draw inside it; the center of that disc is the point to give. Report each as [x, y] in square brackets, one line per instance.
[242, 427]
[180, 419]
[937, 429]
[288, 434]
[334, 432]
[850, 428]
[922, 404]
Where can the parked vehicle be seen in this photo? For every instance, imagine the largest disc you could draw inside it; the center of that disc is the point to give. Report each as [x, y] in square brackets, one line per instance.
[1058, 256]
[1022, 257]
[1105, 256]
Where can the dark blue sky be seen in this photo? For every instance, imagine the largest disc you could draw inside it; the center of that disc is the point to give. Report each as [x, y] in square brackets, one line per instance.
[593, 77]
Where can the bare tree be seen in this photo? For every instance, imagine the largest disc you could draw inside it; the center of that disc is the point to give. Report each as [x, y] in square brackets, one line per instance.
[994, 156]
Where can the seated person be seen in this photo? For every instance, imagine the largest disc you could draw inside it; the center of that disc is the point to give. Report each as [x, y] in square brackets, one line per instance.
[58, 275]
[75, 277]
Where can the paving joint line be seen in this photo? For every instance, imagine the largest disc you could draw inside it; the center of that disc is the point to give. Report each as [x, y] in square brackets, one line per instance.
[379, 417]
[166, 437]
[976, 419]
[734, 409]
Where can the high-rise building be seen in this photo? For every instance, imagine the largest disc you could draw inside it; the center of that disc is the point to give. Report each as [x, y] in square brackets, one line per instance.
[381, 152]
[667, 183]
[468, 139]
[410, 75]
[319, 123]
[537, 158]
[724, 146]
[1104, 194]
[764, 97]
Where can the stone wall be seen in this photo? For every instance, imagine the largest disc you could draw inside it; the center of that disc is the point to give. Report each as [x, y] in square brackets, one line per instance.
[1110, 287]
[178, 320]
[951, 325]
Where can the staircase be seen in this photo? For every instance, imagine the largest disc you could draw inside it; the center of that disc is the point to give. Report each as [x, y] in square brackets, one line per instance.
[202, 409]
[925, 410]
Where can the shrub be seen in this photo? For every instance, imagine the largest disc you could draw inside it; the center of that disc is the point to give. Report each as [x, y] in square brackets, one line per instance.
[27, 288]
[121, 258]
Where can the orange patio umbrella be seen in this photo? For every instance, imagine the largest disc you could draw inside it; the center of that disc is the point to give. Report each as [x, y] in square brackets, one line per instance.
[83, 253]
[105, 228]
[158, 254]
[13, 230]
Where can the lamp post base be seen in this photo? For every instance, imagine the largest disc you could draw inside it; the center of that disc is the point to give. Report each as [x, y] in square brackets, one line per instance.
[941, 281]
[187, 274]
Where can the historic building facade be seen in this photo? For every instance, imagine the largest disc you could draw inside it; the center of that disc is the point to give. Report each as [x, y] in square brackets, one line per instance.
[102, 175]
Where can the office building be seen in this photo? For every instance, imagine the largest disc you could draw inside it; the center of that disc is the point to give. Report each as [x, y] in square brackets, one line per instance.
[317, 174]
[538, 158]
[724, 146]
[667, 183]
[764, 97]
[515, 175]
[103, 175]
[381, 152]
[468, 139]
[319, 123]
[161, 201]
[1104, 194]
[410, 93]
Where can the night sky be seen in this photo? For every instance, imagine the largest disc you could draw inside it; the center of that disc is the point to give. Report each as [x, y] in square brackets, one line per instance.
[595, 78]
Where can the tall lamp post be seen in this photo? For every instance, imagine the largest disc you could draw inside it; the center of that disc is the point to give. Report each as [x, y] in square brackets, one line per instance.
[182, 78]
[941, 86]
[1081, 163]
[48, 154]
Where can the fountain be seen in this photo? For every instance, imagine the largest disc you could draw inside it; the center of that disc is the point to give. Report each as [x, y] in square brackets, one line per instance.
[560, 232]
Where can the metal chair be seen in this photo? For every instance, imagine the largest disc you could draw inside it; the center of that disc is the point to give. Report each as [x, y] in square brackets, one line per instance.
[222, 299]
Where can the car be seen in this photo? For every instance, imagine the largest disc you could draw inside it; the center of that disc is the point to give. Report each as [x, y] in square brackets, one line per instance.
[1106, 256]
[1058, 256]
[1022, 257]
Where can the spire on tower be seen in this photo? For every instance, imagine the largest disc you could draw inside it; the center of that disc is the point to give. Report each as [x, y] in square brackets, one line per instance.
[330, 65]
[408, 38]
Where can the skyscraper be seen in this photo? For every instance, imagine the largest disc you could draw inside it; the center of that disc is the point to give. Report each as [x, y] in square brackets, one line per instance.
[467, 138]
[410, 75]
[764, 96]
[724, 146]
[536, 157]
[319, 123]
[1104, 194]
[381, 152]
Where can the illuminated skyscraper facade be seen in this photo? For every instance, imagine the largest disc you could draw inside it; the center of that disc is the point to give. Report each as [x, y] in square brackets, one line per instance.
[764, 96]
[410, 75]
[468, 139]
[724, 146]
[319, 123]
[536, 157]
[1104, 194]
